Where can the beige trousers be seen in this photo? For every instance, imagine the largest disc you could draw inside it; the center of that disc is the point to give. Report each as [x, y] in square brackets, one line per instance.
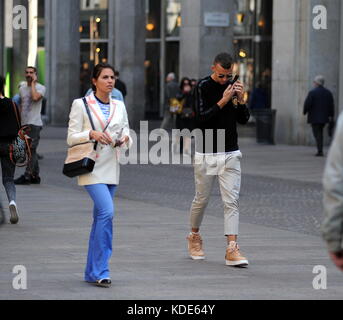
[227, 168]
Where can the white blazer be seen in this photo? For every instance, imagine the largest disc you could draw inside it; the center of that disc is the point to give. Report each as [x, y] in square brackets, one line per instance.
[107, 169]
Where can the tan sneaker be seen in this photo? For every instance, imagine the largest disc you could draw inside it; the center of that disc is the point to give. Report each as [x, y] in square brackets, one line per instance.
[233, 256]
[195, 247]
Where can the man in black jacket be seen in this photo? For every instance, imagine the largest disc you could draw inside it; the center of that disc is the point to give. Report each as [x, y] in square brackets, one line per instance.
[219, 105]
[319, 105]
[120, 85]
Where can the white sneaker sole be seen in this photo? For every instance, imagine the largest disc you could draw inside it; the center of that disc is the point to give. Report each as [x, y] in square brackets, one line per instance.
[241, 263]
[14, 214]
[197, 257]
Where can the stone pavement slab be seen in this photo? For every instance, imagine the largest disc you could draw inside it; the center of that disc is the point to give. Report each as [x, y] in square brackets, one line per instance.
[150, 259]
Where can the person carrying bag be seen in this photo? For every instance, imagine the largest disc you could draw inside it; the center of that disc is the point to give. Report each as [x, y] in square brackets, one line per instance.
[81, 157]
[110, 132]
[9, 127]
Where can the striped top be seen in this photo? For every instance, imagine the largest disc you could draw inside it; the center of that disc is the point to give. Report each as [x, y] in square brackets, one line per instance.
[105, 108]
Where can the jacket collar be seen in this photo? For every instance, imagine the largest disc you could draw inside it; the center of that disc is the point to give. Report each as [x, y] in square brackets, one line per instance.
[95, 108]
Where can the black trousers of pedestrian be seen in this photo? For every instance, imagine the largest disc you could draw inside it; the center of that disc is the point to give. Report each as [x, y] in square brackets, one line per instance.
[318, 129]
[8, 169]
[32, 169]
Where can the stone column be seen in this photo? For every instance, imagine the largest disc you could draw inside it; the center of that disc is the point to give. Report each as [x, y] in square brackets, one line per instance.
[199, 43]
[62, 45]
[299, 53]
[130, 54]
[20, 51]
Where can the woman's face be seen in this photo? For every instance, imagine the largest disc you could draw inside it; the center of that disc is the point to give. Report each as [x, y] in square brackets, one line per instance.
[105, 82]
[187, 88]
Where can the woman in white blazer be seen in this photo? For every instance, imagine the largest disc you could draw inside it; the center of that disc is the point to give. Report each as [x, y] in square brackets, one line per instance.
[102, 182]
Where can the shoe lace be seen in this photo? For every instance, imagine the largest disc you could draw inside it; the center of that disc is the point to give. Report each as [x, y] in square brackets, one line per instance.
[234, 249]
[196, 243]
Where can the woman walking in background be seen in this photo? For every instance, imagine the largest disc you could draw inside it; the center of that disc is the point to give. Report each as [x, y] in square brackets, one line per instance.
[111, 132]
[9, 128]
[185, 119]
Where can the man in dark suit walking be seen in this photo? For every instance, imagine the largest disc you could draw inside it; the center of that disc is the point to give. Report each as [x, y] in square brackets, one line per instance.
[319, 105]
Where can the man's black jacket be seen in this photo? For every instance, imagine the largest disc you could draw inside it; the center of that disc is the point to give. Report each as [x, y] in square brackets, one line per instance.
[319, 105]
[209, 116]
[8, 122]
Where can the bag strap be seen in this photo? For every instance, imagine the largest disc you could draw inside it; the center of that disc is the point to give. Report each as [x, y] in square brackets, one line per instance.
[16, 114]
[90, 119]
[88, 112]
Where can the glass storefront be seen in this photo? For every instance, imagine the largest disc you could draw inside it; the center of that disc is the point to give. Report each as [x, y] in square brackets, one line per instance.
[153, 50]
[253, 43]
[93, 38]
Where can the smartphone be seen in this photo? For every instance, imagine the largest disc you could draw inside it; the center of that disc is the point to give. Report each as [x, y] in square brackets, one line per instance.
[234, 80]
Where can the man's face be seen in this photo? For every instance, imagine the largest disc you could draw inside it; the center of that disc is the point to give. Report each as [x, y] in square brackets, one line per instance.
[29, 74]
[221, 75]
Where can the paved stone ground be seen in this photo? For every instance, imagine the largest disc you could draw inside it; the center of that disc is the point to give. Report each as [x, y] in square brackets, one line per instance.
[281, 213]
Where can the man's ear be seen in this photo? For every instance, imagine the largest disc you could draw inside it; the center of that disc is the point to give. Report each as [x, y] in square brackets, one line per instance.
[213, 68]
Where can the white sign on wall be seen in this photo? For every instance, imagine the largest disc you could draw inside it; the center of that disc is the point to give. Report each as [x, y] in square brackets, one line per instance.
[217, 19]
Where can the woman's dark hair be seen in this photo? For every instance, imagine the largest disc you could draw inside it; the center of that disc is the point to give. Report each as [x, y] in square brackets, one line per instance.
[2, 85]
[224, 59]
[182, 82]
[97, 71]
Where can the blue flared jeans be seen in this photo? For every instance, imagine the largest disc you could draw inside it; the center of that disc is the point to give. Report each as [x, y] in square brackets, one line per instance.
[100, 241]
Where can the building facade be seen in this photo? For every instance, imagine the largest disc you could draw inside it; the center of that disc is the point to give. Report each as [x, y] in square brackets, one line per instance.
[282, 44]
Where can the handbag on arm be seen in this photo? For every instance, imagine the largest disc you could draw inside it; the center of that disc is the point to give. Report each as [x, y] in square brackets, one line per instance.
[20, 148]
[81, 157]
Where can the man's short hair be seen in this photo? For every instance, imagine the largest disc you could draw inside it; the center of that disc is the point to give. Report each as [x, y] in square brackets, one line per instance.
[320, 80]
[224, 59]
[34, 68]
[171, 76]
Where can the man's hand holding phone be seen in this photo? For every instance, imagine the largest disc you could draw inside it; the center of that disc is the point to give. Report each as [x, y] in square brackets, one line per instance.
[235, 88]
[34, 78]
[239, 90]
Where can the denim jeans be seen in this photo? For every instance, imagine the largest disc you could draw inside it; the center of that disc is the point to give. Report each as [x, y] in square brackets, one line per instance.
[100, 242]
[8, 169]
[32, 169]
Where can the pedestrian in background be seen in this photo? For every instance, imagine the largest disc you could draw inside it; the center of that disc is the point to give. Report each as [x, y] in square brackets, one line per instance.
[171, 92]
[332, 227]
[194, 83]
[120, 85]
[216, 110]
[9, 128]
[259, 97]
[101, 184]
[320, 108]
[184, 120]
[31, 96]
